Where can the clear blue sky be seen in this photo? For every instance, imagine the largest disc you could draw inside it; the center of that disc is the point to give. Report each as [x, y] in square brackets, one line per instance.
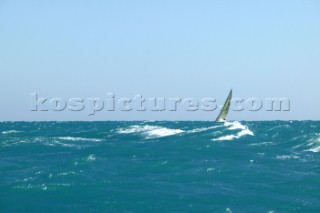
[159, 49]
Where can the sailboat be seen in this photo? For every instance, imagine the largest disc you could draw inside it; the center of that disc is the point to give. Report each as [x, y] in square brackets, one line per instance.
[225, 109]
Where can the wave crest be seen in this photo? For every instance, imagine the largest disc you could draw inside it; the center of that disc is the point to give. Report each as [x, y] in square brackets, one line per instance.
[68, 138]
[314, 144]
[150, 131]
[234, 126]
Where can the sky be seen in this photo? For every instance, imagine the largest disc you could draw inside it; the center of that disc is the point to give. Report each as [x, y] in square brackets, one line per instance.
[186, 49]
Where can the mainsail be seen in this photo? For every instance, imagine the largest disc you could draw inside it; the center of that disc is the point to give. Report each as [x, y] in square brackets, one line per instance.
[225, 109]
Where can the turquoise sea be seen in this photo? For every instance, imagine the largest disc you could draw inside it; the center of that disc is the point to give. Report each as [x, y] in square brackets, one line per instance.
[160, 166]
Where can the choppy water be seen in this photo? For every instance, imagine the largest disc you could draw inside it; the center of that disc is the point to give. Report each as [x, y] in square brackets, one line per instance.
[160, 166]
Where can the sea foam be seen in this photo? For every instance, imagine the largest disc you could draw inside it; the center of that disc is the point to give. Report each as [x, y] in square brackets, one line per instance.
[150, 131]
[234, 126]
[79, 139]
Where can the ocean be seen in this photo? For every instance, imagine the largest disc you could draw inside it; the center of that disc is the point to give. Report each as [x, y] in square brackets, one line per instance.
[160, 166]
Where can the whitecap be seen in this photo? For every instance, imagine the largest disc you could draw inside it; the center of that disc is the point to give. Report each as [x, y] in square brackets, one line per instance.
[210, 169]
[10, 131]
[235, 136]
[162, 132]
[314, 149]
[91, 157]
[135, 128]
[314, 144]
[28, 179]
[30, 186]
[234, 126]
[43, 187]
[262, 144]
[66, 173]
[228, 210]
[61, 144]
[164, 162]
[68, 138]
[287, 157]
[225, 138]
[150, 131]
[201, 129]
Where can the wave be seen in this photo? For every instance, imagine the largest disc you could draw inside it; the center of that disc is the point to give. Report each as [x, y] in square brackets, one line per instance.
[10, 132]
[201, 129]
[150, 131]
[42, 187]
[314, 149]
[314, 143]
[266, 143]
[234, 126]
[66, 173]
[68, 138]
[69, 142]
[287, 157]
[91, 158]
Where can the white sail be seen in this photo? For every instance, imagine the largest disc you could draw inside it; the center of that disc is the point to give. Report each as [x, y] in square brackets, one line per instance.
[225, 109]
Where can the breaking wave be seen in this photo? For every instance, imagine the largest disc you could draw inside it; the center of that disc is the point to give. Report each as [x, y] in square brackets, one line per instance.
[150, 131]
[235, 126]
[314, 144]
